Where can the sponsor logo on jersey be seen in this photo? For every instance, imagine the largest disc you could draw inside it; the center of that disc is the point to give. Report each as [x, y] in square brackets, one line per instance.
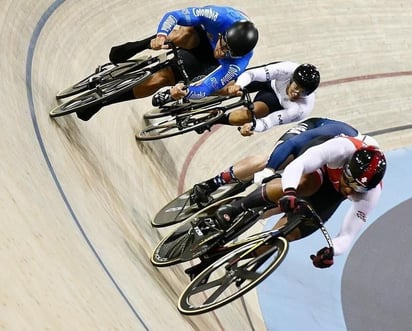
[206, 12]
[361, 215]
[231, 74]
[169, 23]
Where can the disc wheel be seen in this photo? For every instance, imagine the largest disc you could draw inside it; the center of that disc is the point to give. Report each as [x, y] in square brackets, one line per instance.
[181, 123]
[101, 93]
[103, 74]
[231, 276]
[185, 243]
[180, 209]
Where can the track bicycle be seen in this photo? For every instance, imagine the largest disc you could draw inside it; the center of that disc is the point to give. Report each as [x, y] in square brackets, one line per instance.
[233, 266]
[198, 115]
[111, 80]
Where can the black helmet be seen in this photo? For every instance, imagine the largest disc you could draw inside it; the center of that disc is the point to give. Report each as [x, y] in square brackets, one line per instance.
[241, 38]
[307, 77]
[366, 168]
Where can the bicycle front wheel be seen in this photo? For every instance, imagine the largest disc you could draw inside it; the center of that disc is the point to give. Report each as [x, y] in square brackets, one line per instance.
[176, 107]
[232, 276]
[101, 93]
[198, 120]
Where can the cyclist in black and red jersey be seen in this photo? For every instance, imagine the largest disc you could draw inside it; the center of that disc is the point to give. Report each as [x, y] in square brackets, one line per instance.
[216, 42]
[325, 175]
[292, 143]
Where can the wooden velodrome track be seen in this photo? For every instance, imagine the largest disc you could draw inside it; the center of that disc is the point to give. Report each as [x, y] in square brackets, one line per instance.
[77, 198]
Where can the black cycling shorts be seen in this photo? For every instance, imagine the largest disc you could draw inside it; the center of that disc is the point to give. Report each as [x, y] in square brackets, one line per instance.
[325, 201]
[270, 99]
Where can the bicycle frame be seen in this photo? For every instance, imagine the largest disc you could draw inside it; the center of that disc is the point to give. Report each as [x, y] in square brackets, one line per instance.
[267, 236]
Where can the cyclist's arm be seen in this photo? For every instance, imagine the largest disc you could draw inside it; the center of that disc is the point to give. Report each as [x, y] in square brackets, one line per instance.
[355, 219]
[333, 152]
[266, 73]
[217, 79]
[293, 112]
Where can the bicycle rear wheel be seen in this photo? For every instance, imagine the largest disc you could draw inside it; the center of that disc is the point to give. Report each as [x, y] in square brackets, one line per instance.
[232, 276]
[179, 124]
[187, 242]
[102, 74]
[180, 209]
[101, 93]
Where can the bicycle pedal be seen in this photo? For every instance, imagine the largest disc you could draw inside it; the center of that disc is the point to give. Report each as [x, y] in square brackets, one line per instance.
[99, 91]
[98, 69]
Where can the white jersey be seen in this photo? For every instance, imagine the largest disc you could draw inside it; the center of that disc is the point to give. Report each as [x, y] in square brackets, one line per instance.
[279, 75]
[333, 154]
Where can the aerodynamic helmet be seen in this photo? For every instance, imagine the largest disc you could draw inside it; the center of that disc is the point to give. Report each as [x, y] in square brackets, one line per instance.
[241, 38]
[307, 77]
[366, 169]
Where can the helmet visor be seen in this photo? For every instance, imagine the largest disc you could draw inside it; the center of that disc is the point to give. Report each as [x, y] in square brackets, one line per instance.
[352, 182]
[224, 47]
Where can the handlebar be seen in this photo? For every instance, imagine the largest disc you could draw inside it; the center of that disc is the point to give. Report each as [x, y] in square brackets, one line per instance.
[250, 107]
[312, 212]
[179, 61]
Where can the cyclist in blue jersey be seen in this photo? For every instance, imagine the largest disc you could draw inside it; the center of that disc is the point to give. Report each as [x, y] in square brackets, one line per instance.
[288, 147]
[216, 43]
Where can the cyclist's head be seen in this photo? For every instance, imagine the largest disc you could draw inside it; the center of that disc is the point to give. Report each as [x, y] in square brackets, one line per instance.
[241, 38]
[365, 170]
[307, 77]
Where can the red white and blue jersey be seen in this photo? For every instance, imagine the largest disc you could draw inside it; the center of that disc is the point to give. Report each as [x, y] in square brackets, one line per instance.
[327, 160]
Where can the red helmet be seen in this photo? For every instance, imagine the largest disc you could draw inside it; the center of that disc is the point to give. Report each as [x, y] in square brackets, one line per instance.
[366, 169]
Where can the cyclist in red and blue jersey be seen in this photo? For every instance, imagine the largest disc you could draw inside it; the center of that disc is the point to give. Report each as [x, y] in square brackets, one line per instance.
[215, 43]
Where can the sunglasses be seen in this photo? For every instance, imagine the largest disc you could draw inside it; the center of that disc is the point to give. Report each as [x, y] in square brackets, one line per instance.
[351, 182]
[225, 47]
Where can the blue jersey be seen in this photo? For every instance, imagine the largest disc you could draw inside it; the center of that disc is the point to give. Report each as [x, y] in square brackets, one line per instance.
[214, 20]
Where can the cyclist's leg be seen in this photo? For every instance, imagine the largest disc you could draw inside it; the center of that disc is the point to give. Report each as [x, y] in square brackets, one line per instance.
[125, 51]
[245, 168]
[151, 85]
[185, 37]
[241, 171]
[88, 113]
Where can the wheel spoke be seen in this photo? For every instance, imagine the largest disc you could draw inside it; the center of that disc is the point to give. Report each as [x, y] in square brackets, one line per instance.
[219, 291]
[231, 276]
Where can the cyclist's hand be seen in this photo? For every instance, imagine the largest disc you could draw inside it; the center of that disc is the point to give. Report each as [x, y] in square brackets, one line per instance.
[246, 130]
[178, 91]
[289, 201]
[158, 42]
[234, 90]
[323, 258]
